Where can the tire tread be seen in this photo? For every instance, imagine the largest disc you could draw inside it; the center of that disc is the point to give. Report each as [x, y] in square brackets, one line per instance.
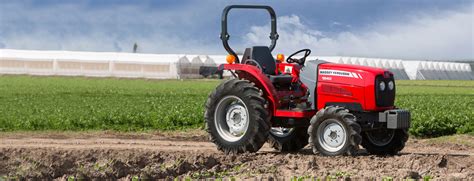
[339, 113]
[256, 102]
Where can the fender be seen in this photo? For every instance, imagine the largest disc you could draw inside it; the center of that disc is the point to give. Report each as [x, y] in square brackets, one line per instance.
[255, 75]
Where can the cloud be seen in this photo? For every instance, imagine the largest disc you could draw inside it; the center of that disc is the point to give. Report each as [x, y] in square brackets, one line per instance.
[82, 27]
[193, 27]
[447, 35]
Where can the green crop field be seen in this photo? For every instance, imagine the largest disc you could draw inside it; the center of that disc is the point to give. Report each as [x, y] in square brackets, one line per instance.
[438, 107]
[77, 103]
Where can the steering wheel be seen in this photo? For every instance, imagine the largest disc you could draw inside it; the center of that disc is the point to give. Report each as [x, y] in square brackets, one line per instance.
[300, 61]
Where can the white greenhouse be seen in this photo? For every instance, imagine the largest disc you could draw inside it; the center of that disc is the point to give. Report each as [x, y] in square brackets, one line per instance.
[175, 66]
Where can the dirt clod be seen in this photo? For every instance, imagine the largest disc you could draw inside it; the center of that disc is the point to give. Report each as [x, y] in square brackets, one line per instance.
[443, 162]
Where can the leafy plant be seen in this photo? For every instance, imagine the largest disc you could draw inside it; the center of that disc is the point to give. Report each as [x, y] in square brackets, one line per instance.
[79, 104]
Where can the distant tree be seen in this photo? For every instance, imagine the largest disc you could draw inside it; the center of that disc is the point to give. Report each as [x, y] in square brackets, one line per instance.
[135, 47]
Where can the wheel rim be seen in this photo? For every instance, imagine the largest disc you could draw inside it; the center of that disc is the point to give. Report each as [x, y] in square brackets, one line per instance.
[381, 137]
[332, 136]
[231, 118]
[281, 131]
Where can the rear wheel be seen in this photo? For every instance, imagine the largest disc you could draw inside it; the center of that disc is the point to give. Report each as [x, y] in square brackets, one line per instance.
[384, 141]
[236, 118]
[288, 139]
[334, 131]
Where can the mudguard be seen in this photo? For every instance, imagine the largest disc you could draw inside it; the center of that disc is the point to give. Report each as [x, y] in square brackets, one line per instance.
[255, 75]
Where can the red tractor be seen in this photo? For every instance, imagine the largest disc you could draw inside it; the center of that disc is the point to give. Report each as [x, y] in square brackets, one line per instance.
[332, 107]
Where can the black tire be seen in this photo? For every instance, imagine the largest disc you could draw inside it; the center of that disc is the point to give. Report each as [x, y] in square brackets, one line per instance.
[340, 116]
[258, 119]
[390, 147]
[294, 141]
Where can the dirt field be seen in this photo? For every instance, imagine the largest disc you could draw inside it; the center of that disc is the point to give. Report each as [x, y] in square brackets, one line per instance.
[152, 156]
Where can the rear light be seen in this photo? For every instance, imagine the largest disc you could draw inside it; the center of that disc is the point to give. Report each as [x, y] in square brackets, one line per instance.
[280, 58]
[230, 59]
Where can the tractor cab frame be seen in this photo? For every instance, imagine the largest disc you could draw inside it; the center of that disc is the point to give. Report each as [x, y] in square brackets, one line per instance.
[258, 65]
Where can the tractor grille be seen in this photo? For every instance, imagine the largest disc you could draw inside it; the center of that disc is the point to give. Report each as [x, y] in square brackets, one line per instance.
[384, 98]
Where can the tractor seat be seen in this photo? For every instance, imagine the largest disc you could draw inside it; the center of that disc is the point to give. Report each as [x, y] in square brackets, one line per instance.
[263, 56]
[283, 80]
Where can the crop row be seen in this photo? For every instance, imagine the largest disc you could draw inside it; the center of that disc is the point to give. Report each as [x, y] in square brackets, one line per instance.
[66, 103]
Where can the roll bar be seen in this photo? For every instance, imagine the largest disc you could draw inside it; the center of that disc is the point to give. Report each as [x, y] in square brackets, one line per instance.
[225, 35]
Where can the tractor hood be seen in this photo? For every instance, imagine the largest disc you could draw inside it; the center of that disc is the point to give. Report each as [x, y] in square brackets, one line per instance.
[349, 74]
[354, 83]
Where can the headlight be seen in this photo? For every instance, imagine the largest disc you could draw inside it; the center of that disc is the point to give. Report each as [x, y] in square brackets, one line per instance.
[391, 85]
[382, 86]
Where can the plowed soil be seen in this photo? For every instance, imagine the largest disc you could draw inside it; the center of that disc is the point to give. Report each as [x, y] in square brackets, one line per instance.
[189, 155]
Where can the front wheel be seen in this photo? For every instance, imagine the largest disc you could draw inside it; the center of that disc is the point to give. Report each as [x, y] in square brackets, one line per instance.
[334, 131]
[384, 141]
[236, 118]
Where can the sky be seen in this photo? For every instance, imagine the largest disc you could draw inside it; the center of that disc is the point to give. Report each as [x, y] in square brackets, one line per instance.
[405, 29]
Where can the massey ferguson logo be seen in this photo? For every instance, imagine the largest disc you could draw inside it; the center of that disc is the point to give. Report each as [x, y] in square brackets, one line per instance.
[339, 73]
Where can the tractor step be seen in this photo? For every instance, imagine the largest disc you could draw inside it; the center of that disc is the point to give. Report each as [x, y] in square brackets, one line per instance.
[295, 113]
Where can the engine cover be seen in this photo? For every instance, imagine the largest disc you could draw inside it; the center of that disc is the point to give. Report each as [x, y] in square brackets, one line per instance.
[353, 84]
